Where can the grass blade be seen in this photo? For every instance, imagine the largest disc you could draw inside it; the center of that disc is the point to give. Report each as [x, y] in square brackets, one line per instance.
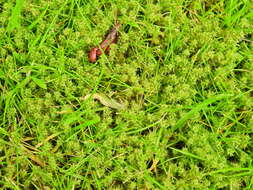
[14, 21]
[41, 83]
[187, 153]
[152, 180]
[197, 108]
[33, 24]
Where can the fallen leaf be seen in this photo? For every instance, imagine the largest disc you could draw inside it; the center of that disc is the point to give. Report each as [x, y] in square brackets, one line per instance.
[108, 102]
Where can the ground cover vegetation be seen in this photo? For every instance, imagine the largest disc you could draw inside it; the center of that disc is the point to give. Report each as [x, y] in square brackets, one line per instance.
[182, 69]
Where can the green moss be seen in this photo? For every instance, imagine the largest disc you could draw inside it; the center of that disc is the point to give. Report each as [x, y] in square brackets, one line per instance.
[183, 68]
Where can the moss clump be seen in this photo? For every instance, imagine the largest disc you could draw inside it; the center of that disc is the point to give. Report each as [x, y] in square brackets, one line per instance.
[183, 68]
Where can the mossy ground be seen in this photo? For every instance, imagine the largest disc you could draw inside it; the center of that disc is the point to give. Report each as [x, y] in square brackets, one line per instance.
[183, 68]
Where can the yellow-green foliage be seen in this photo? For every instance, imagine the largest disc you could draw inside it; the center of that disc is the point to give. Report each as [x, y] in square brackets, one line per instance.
[183, 69]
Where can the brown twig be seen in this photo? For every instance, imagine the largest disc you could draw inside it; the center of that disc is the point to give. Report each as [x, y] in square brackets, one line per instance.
[110, 39]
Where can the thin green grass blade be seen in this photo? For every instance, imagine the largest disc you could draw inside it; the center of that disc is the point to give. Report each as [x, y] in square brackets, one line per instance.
[4, 132]
[187, 153]
[231, 170]
[234, 172]
[98, 183]
[44, 37]
[86, 124]
[152, 180]
[15, 18]
[33, 24]
[41, 83]
[251, 183]
[11, 94]
[197, 108]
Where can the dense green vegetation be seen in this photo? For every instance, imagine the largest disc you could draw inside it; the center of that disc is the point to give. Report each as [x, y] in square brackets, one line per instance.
[182, 69]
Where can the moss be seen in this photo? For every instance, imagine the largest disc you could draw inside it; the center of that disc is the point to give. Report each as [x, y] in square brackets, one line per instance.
[171, 57]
